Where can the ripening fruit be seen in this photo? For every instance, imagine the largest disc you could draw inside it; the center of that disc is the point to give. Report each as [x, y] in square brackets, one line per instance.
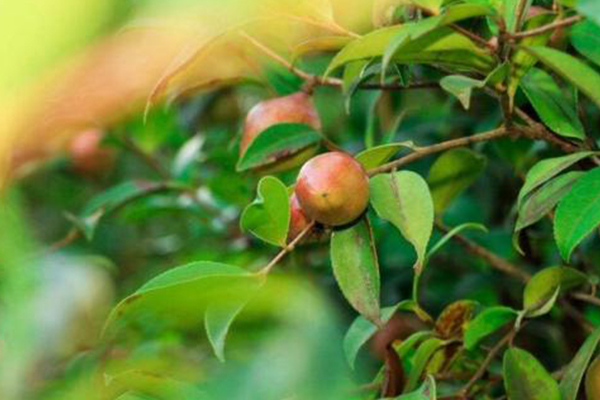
[592, 380]
[333, 188]
[88, 155]
[296, 108]
[298, 220]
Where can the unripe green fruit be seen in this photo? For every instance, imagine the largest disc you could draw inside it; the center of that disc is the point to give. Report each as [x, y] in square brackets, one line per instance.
[298, 220]
[333, 188]
[88, 156]
[296, 108]
[592, 380]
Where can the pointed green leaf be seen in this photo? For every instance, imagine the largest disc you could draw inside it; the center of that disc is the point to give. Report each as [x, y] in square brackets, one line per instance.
[585, 37]
[268, 217]
[403, 198]
[578, 213]
[542, 201]
[551, 105]
[277, 141]
[571, 380]
[356, 269]
[179, 297]
[451, 174]
[546, 169]
[453, 232]
[487, 322]
[526, 378]
[379, 155]
[573, 70]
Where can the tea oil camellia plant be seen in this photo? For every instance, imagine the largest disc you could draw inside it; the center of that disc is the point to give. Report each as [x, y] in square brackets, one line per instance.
[410, 211]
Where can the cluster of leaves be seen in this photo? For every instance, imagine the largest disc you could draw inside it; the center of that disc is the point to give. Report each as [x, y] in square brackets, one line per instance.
[508, 68]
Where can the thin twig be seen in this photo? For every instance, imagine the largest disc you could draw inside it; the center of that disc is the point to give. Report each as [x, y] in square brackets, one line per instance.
[550, 27]
[588, 298]
[540, 132]
[436, 148]
[488, 360]
[287, 249]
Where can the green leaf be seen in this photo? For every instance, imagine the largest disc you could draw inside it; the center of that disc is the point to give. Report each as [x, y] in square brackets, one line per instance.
[427, 391]
[403, 198]
[571, 380]
[179, 297]
[277, 141]
[414, 30]
[487, 322]
[451, 174]
[551, 105]
[461, 87]
[442, 46]
[526, 378]
[112, 199]
[585, 37]
[571, 69]
[578, 213]
[268, 217]
[362, 329]
[589, 8]
[542, 286]
[356, 269]
[422, 356]
[379, 155]
[218, 319]
[542, 201]
[545, 170]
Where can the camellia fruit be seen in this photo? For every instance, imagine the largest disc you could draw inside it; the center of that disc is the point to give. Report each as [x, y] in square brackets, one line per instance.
[87, 154]
[298, 220]
[333, 188]
[296, 108]
[592, 380]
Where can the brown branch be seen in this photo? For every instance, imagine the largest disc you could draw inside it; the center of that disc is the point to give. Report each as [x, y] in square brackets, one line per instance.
[287, 249]
[492, 259]
[538, 131]
[588, 298]
[439, 147]
[550, 27]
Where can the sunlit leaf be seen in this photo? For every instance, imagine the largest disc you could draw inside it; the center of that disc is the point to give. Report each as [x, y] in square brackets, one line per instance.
[379, 155]
[179, 297]
[268, 217]
[404, 199]
[277, 141]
